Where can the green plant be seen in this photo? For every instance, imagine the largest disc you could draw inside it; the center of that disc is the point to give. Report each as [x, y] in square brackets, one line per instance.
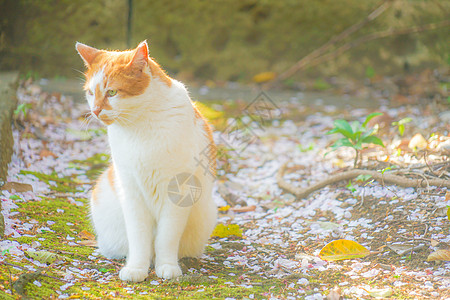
[370, 72]
[23, 107]
[350, 186]
[355, 135]
[401, 125]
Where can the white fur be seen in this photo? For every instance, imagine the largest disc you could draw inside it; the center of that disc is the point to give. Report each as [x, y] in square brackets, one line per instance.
[155, 137]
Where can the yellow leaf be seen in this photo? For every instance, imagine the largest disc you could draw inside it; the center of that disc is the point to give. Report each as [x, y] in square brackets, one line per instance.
[208, 112]
[264, 77]
[448, 213]
[222, 230]
[224, 208]
[339, 163]
[439, 255]
[343, 249]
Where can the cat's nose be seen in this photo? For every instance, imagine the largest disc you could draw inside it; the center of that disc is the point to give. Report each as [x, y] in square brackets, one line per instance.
[97, 111]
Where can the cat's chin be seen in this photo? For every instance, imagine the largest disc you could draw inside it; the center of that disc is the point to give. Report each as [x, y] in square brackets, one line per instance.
[106, 121]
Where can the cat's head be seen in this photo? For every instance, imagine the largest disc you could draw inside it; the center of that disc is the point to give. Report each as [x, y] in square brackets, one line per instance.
[116, 79]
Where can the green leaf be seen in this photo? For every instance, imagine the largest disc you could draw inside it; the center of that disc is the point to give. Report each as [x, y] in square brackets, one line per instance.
[104, 270]
[343, 125]
[350, 187]
[43, 256]
[385, 169]
[370, 72]
[356, 127]
[401, 129]
[363, 177]
[23, 107]
[343, 142]
[404, 121]
[341, 131]
[370, 117]
[373, 140]
[14, 197]
[358, 145]
[367, 133]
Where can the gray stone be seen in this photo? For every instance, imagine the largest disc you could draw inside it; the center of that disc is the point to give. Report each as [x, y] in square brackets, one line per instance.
[8, 103]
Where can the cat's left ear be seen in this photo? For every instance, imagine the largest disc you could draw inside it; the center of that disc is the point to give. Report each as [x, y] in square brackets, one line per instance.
[140, 58]
[87, 53]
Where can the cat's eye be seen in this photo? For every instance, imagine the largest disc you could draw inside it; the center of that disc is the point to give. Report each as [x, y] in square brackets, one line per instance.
[111, 93]
[90, 92]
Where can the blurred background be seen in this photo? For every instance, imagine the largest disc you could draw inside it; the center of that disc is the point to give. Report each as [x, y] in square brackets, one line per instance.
[234, 40]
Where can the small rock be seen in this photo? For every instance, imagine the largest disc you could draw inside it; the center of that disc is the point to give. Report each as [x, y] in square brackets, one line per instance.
[444, 147]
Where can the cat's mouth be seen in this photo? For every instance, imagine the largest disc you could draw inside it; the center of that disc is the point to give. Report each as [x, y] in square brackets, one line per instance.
[105, 120]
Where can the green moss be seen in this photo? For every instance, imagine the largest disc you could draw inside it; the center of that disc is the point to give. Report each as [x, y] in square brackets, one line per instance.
[56, 183]
[93, 166]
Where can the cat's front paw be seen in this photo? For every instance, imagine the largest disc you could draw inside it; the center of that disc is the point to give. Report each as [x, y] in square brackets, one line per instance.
[168, 271]
[133, 274]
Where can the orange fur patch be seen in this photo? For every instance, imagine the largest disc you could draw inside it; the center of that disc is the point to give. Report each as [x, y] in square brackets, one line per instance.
[122, 75]
[101, 101]
[111, 177]
[212, 148]
[95, 192]
[157, 71]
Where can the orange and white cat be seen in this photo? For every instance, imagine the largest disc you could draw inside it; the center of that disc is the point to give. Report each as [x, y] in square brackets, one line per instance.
[155, 133]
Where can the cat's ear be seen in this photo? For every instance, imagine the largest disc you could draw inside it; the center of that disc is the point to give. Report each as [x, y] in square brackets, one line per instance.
[87, 53]
[140, 57]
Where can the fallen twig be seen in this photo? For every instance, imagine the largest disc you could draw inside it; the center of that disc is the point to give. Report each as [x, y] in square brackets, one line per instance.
[347, 175]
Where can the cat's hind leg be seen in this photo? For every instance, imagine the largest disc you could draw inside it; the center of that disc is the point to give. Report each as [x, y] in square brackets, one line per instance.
[200, 224]
[107, 217]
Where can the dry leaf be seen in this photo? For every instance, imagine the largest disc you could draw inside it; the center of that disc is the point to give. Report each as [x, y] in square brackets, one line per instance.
[88, 243]
[402, 249]
[439, 255]
[381, 293]
[343, 249]
[16, 186]
[45, 152]
[335, 294]
[243, 209]
[86, 235]
[447, 196]
[417, 142]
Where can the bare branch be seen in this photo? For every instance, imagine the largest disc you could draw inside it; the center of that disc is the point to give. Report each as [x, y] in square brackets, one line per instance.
[344, 176]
